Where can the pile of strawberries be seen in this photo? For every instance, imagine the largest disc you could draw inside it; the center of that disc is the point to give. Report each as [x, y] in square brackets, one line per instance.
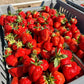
[36, 51]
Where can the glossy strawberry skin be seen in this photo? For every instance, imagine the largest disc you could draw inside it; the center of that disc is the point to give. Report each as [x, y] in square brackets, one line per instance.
[15, 80]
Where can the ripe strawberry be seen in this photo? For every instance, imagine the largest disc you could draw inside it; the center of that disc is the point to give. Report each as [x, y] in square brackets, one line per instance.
[16, 45]
[30, 21]
[31, 27]
[42, 80]
[60, 46]
[40, 20]
[68, 25]
[31, 44]
[76, 35]
[52, 12]
[15, 80]
[55, 40]
[54, 18]
[16, 72]
[44, 65]
[47, 46]
[73, 40]
[67, 39]
[53, 67]
[44, 34]
[11, 60]
[57, 25]
[81, 38]
[73, 21]
[81, 46]
[22, 14]
[23, 23]
[46, 8]
[20, 52]
[80, 54]
[2, 20]
[73, 47]
[25, 80]
[28, 14]
[68, 33]
[61, 39]
[8, 51]
[8, 28]
[50, 21]
[45, 54]
[34, 72]
[35, 14]
[71, 70]
[26, 36]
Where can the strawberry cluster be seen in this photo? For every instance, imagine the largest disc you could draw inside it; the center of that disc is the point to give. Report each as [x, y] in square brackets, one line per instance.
[36, 50]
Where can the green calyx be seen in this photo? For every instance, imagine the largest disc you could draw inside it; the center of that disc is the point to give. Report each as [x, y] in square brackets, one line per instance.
[19, 19]
[29, 45]
[67, 37]
[19, 44]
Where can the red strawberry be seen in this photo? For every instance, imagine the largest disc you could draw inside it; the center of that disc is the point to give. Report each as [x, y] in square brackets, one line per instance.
[47, 46]
[45, 54]
[35, 14]
[61, 39]
[81, 38]
[8, 51]
[52, 12]
[14, 80]
[11, 60]
[67, 39]
[60, 46]
[22, 14]
[2, 20]
[53, 67]
[73, 21]
[44, 34]
[76, 35]
[31, 44]
[40, 20]
[20, 52]
[16, 72]
[30, 21]
[26, 36]
[68, 33]
[71, 70]
[50, 21]
[81, 46]
[25, 80]
[44, 65]
[80, 54]
[57, 25]
[46, 8]
[73, 47]
[34, 72]
[73, 40]
[42, 80]
[31, 27]
[55, 40]
[68, 25]
[28, 14]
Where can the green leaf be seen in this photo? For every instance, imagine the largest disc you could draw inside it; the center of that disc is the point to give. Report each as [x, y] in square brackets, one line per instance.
[64, 56]
[56, 62]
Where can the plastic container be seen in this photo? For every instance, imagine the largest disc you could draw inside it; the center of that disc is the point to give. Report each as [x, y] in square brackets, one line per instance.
[76, 3]
[69, 11]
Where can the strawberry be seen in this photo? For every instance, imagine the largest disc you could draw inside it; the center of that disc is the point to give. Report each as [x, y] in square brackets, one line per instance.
[67, 39]
[81, 46]
[31, 27]
[76, 35]
[11, 60]
[28, 14]
[35, 14]
[22, 14]
[53, 67]
[16, 72]
[8, 51]
[40, 20]
[30, 21]
[45, 54]
[8, 28]
[52, 12]
[68, 25]
[34, 72]
[81, 38]
[55, 40]
[57, 25]
[73, 21]
[14, 80]
[60, 46]
[80, 54]
[50, 21]
[42, 80]
[68, 33]
[71, 70]
[74, 41]
[25, 80]
[47, 46]
[44, 34]
[2, 20]
[16, 45]
[44, 65]
[20, 52]
[73, 47]
[46, 8]
[31, 44]
[23, 23]
[61, 39]
[26, 36]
